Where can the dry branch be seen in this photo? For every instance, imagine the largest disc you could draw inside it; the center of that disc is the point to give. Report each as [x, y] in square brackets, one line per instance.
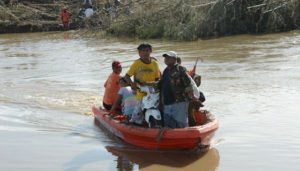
[257, 6]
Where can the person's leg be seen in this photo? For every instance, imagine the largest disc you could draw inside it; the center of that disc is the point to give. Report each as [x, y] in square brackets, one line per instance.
[68, 24]
[137, 115]
[180, 114]
[168, 117]
[64, 24]
[191, 117]
[106, 106]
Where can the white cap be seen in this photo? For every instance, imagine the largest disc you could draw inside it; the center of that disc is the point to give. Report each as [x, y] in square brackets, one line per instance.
[170, 54]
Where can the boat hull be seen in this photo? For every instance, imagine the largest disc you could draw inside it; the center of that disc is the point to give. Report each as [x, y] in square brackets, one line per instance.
[154, 138]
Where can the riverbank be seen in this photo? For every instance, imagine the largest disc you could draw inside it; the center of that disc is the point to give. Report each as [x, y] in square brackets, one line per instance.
[34, 15]
[170, 19]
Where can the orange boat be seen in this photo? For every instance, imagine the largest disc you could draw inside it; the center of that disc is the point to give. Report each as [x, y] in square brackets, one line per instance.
[194, 137]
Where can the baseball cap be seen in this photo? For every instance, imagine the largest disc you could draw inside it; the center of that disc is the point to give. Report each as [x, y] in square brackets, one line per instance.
[170, 54]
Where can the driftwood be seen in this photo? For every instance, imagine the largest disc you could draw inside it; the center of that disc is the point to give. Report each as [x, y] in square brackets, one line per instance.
[230, 3]
[202, 5]
[274, 9]
[256, 6]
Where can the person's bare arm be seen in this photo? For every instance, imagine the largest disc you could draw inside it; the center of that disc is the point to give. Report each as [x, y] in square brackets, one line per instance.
[129, 81]
[116, 104]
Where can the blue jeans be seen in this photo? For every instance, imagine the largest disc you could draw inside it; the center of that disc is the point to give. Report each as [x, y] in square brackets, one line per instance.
[176, 115]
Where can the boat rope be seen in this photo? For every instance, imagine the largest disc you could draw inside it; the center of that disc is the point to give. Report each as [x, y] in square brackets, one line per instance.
[160, 133]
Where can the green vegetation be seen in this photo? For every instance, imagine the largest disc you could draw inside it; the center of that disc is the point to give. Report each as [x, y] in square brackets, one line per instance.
[192, 19]
[171, 19]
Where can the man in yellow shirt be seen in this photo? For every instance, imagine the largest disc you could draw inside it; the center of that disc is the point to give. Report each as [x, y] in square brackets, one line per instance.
[144, 70]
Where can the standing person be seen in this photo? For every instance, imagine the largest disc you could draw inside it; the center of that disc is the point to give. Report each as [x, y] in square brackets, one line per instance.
[112, 86]
[144, 70]
[126, 98]
[65, 17]
[117, 3]
[177, 90]
[87, 4]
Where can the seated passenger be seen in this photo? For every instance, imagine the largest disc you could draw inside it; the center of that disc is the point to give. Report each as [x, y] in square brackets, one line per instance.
[195, 105]
[112, 86]
[126, 98]
[196, 78]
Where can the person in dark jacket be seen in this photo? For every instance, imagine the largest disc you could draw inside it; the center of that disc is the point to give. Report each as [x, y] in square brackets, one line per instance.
[177, 91]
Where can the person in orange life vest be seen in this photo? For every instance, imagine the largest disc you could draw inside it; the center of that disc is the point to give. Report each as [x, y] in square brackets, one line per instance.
[65, 17]
[112, 86]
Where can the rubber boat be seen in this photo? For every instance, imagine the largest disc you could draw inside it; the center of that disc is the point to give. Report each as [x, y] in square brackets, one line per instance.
[194, 137]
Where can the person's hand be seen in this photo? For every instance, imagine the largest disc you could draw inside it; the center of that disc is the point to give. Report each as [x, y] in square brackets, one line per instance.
[142, 83]
[153, 83]
[133, 91]
[196, 104]
[111, 111]
[191, 96]
[108, 113]
[134, 87]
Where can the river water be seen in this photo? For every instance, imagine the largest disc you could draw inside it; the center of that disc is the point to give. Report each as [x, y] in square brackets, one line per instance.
[49, 81]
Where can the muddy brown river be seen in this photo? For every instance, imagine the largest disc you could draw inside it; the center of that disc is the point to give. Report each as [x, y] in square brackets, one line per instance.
[49, 81]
